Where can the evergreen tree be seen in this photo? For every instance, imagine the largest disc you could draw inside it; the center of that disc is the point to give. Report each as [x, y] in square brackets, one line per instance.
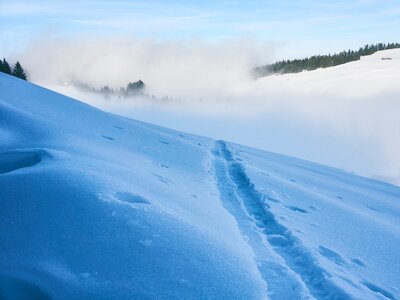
[134, 88]
[18, 71]
[5, 67]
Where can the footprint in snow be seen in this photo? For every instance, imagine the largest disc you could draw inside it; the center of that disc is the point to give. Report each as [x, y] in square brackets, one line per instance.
[107, 137]
[272, 199]
[372, 208]
[332, 256]
[348, 281]
[162, 179]
[358, 261]
[296, 209]
[378, 290]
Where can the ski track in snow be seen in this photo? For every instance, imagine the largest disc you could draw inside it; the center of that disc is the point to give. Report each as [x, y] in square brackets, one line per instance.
[298, 269]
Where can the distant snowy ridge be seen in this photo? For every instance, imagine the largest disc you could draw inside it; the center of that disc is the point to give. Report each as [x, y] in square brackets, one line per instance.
[365, 78]
[322, 61]
[97, 206]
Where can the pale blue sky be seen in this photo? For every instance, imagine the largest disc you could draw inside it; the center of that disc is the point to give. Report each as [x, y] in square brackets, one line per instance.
[299, 27]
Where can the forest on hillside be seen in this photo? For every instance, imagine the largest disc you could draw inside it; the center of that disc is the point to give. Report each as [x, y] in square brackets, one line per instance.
[321, 61]
[17, 70]
[132, 89]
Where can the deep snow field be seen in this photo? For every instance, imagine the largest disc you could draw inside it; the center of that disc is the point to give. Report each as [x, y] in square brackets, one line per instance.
[98, 206]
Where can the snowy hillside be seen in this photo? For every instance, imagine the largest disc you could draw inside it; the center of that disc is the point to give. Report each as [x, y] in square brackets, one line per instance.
[371, 75]
[98, 206]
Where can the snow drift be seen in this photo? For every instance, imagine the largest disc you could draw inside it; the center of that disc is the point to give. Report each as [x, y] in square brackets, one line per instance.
[98, 206]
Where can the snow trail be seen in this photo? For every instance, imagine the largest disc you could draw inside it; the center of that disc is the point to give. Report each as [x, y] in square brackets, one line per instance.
[282, 283]
[299, 276]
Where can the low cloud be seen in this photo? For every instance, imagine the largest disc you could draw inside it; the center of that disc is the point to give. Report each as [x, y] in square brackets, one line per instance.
[346, 116]
[179, 69]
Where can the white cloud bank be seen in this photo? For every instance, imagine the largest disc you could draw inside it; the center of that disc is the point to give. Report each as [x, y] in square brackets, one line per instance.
[345, 116]
[179, 69]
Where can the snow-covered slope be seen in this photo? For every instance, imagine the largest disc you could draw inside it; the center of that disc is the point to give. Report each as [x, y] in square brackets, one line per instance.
[372, 75]
[97, 206]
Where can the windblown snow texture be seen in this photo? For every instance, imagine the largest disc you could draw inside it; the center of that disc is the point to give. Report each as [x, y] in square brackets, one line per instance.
[97, 206]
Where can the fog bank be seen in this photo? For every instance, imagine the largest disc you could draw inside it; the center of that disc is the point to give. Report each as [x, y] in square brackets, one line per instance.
[345, 116]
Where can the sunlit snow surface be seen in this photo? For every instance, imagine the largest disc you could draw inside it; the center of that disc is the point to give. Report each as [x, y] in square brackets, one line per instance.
[97, 206]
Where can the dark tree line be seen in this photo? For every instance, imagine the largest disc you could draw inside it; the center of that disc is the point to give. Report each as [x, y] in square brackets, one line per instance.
[16, 71]
[132, 89]
[321, 61]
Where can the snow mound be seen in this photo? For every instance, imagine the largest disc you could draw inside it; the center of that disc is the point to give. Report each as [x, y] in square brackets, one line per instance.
[97, 206]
